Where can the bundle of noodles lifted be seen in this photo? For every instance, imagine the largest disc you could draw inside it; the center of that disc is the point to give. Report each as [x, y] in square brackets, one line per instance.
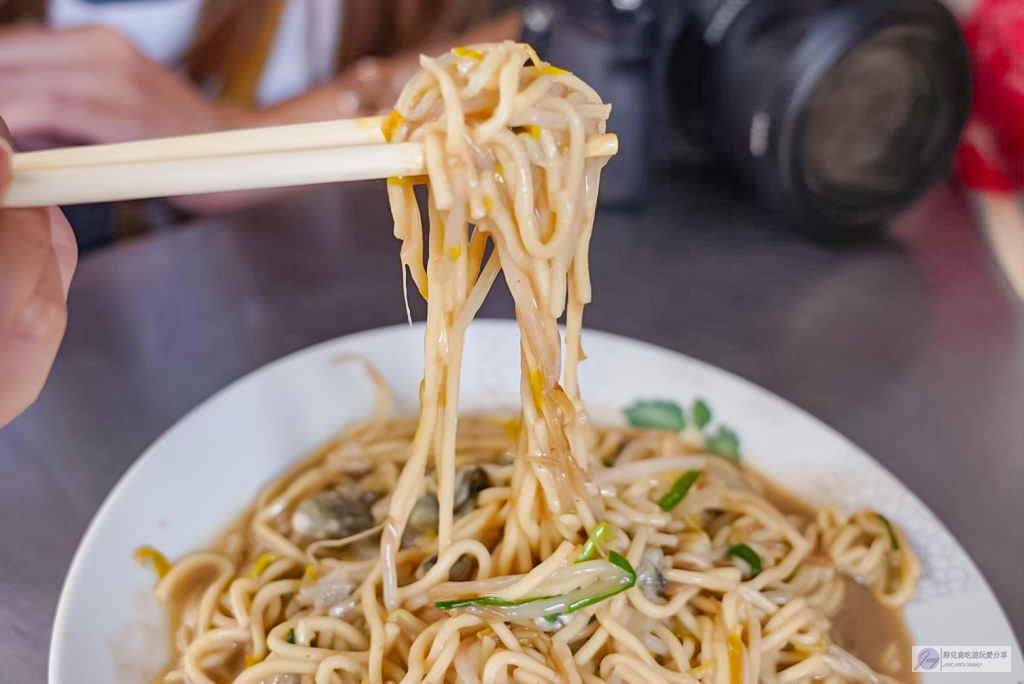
[534, 548]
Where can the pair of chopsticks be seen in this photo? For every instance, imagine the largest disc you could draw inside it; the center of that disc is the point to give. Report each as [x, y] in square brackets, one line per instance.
[272, 157]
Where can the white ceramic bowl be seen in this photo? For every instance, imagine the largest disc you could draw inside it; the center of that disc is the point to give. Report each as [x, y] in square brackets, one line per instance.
[206, 469]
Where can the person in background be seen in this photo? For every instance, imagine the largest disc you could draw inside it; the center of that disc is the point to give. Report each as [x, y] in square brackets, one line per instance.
[105, 71]
[37, 259]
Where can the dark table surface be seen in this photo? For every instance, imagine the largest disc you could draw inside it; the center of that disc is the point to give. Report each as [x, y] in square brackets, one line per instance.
[911, 346]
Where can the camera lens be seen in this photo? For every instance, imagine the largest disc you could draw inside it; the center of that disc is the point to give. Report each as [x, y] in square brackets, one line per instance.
[878, 123]
[841, 114]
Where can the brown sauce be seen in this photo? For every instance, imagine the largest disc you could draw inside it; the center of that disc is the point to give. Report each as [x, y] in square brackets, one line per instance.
[869, 630]
[874, 633]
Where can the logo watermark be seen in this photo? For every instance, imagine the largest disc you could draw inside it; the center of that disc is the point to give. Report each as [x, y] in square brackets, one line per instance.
[961, 659]
[927, 659]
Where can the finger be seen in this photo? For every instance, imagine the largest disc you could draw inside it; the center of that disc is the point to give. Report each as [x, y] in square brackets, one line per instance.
[24, 46]
[26, 247]
[41, 45]
[65, 247]
[62, 237]
[28, 354]
[71, 81]
[109, 83]
[33, 312]
[6, 155]
[73, 120]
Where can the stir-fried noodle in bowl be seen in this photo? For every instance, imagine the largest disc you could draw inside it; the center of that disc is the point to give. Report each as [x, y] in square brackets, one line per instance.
[536, 547]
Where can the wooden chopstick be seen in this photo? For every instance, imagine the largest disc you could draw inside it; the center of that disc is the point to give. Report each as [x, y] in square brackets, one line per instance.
[311, 136]
[116, 182]
[219, 162]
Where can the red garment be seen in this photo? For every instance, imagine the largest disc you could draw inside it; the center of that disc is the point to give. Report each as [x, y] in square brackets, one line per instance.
[991, 153]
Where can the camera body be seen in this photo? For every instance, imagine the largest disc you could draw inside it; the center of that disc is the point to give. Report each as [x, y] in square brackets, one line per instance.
[839, 113]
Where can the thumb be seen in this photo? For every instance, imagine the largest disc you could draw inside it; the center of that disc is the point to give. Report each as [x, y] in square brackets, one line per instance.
[6, 154]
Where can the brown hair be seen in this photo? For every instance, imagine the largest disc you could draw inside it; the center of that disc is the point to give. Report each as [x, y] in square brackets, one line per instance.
[22, 11]
[234, 36]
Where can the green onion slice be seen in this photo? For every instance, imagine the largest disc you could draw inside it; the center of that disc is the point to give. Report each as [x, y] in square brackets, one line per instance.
[656, 415]
[486, 602]
[290, 637]
[620, 561]
[619, 581]
[602, 531]
[678, 490]
[748, 556]
[893, 540]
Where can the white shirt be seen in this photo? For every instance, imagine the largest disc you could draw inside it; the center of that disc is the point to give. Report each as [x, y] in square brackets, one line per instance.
[302, 55]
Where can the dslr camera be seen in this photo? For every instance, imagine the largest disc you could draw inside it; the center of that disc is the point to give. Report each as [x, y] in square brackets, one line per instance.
[838, 113]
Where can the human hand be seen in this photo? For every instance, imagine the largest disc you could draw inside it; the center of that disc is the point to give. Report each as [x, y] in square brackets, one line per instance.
[38, 255]
[372, 85]
[89, 84]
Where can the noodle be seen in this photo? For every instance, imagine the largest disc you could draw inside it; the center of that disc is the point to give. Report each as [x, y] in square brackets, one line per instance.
[529, 549]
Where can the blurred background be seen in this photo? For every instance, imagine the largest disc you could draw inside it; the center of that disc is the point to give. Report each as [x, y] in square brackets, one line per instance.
[836, 114]
[818, 195]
